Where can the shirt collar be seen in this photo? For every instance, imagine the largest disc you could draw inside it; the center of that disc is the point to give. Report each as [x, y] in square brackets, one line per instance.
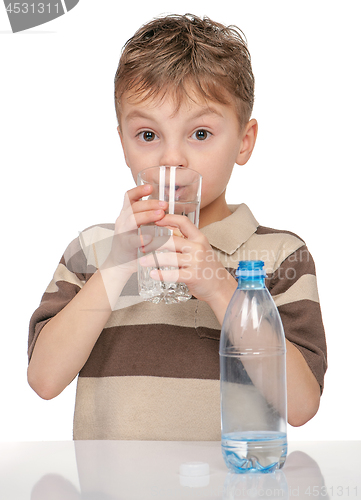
[230, 233]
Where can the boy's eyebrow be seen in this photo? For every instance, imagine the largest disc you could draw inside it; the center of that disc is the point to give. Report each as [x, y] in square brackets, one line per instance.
[136, 113]
[209, 110]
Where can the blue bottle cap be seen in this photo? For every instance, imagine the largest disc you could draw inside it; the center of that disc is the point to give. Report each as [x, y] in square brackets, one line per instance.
[251, 269]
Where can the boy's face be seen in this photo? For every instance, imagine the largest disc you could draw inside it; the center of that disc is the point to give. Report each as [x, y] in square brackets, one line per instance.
[203, 136]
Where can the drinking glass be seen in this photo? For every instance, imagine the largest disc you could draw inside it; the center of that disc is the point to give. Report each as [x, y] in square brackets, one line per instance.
[181, 188]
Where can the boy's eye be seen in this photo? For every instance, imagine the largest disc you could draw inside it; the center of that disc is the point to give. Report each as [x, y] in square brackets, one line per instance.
[201, 134]
[147, 136]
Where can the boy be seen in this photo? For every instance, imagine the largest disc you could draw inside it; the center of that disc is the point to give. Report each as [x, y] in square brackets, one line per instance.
[184, 96]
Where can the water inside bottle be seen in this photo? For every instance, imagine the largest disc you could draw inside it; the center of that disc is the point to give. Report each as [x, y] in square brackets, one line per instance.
[261, 451]
[253, 413]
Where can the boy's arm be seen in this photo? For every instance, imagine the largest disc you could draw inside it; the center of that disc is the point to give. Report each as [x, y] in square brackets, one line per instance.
[66, 341]
[293, 287]
[78, 312]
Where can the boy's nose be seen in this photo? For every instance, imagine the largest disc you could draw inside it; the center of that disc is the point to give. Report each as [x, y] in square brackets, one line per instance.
[173, 156]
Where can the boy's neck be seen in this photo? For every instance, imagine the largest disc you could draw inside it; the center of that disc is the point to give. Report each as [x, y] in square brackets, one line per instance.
[215, 211]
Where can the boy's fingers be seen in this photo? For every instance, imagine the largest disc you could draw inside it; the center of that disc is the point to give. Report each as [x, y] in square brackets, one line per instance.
[134, 204]
[169, 244]
[144, 218]
[187, 228]
[156, 242]
[132, 221]
[143, 205]
[137, 193]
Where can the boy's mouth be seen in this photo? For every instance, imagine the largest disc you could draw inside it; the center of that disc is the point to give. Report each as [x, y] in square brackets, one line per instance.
[178, 192]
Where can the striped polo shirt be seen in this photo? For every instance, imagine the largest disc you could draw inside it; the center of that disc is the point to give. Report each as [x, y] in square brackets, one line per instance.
[153, 373]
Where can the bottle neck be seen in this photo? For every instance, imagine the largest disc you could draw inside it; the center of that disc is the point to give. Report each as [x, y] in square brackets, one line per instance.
[251, 283]
[251, 275]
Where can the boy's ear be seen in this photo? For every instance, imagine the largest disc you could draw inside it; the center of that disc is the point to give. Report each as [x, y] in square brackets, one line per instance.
[249, 137]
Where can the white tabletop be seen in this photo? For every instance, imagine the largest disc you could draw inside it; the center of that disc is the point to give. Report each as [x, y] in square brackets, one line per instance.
[114, 470]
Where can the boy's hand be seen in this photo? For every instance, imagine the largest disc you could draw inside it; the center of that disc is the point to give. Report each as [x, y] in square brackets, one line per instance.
[198, 265]
[126, 241]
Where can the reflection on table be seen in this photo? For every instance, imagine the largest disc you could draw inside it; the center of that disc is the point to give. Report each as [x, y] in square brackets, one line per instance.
[114, 470]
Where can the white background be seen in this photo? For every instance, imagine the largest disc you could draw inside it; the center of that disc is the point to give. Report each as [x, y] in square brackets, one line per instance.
[62, 169]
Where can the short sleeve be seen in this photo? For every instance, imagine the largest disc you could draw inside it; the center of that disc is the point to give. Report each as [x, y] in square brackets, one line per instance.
[293, 286]
[69, 277]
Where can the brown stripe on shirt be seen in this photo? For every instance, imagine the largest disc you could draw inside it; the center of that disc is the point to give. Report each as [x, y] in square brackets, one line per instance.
[156, 350]
[269, 230]
[51, 304]
[296, 265]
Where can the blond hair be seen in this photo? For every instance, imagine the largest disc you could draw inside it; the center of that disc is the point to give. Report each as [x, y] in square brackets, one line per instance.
[178, 53]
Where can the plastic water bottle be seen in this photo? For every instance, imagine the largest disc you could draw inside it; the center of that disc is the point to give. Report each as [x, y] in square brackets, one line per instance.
[253, 377]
